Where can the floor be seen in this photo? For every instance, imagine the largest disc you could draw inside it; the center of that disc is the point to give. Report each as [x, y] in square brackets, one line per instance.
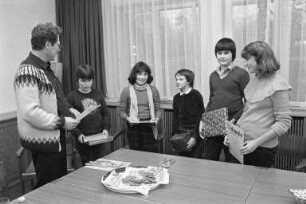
[15, 191]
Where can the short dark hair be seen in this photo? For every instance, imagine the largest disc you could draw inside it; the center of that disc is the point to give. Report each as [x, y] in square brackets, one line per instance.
[226, 44]
[42, 33]
[84, 71]
[264, 56]
[189, 75]
[138, 68]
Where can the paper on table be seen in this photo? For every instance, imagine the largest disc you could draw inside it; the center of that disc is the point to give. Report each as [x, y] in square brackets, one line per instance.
[88, 110]
[236, 140]
[106, 164]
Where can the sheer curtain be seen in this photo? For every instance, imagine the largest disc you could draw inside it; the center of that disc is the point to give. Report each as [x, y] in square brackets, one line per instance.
[168, 35]
[174, 34]
[282, 25]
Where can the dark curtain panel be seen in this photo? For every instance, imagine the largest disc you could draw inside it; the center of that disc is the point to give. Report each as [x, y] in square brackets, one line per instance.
[82, 40]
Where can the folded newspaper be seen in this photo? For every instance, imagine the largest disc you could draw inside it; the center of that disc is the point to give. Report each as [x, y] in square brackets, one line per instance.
[97, 139]
[106, 164]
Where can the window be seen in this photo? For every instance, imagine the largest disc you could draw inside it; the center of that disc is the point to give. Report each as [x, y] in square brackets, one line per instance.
[170, 35]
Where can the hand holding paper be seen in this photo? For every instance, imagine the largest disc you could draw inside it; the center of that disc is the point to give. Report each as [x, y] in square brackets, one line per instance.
[88, 110]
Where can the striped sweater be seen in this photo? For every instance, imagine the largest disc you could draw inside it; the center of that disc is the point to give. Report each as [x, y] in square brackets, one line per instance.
[37, 111]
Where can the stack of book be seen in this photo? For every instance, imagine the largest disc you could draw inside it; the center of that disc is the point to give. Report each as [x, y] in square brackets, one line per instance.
[97, 139]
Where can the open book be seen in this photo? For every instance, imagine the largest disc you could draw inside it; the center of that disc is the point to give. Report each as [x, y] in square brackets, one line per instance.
[97, 139]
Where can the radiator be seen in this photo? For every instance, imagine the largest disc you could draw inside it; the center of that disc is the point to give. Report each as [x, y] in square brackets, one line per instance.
[116, 125]
[167, 122]
[292, 146]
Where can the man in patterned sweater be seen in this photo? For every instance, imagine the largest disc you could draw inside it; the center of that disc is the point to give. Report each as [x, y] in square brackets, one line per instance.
[42, 107]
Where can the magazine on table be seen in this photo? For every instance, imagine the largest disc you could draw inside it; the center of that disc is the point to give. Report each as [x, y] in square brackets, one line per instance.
[106, 164]
[236, 140]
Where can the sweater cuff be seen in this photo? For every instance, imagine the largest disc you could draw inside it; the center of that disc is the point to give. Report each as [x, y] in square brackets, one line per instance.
[60, 122]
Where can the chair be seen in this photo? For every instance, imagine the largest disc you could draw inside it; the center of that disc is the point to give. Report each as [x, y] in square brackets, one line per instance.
[3, 180]
[301, 166]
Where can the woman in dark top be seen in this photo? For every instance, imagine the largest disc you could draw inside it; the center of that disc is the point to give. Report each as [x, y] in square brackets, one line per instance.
[188, 108]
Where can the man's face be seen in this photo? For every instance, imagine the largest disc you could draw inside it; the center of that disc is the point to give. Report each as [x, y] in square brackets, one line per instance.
[52, 50]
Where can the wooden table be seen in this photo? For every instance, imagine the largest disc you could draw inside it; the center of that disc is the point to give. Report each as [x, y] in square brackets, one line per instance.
[191, 181]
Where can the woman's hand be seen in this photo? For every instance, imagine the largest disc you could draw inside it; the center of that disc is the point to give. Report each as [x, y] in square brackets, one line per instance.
[131, 120]
[232, 121]
[226, 142]
[154, 121]
[81, 138]
[191, 143]
[249, 147]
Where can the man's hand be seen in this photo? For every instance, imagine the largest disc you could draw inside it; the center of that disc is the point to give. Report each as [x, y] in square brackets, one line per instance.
[70, 123]
[81, 138]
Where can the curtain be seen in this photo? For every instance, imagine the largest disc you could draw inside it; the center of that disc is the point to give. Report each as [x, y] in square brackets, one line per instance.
[174, 34]
[282, 24]
[167, 35]
[82, 40]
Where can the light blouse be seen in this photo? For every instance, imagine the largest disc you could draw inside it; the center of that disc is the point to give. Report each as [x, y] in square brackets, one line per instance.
[266, 108]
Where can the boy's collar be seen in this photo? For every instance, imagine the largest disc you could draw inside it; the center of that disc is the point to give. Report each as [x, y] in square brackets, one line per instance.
[187, 91]
[231, 66]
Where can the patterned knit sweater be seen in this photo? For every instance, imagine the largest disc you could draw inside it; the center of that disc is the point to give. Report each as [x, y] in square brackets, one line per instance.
[37, 112]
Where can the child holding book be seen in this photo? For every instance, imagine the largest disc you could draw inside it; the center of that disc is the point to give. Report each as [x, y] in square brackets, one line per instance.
[98, 121]
[227, 85]
[266, 115]
[140, 102]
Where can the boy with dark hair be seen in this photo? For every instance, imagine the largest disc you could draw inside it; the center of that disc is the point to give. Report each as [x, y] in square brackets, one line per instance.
[227, 85]
[96, 122]
[188, 108]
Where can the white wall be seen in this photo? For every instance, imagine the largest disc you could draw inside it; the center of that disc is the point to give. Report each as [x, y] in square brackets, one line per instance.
[17, 18]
